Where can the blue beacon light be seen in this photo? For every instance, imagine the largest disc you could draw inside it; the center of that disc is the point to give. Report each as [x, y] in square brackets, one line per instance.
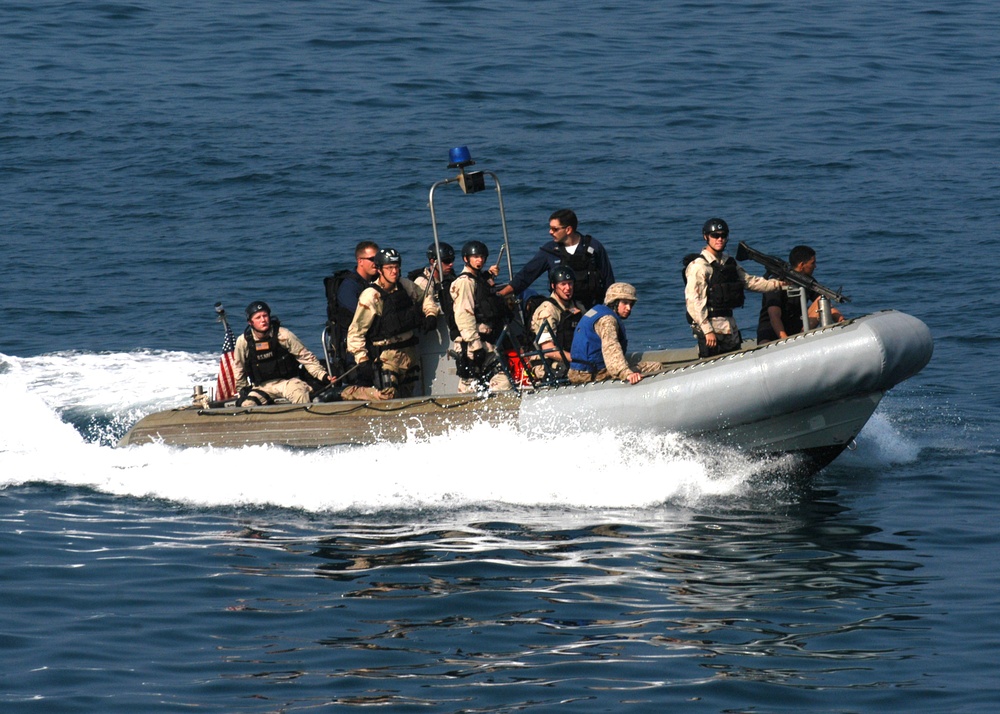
[460, 157]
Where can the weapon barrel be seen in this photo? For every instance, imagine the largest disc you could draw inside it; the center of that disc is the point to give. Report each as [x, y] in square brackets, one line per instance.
[781, 269]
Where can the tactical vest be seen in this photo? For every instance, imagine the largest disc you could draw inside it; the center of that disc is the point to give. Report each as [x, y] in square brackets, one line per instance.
[566, 328]
[588, 287]
[490, 309]
[399, 314]
[268, 359]
[586, 347]
[725, 288]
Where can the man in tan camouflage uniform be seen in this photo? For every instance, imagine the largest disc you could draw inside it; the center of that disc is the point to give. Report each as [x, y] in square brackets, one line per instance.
[547, 322]
[384, 330]
[476, 323]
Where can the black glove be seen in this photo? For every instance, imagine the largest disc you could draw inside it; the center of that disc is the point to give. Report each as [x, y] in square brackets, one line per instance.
[244, 391]
[366, 373]
[430, 323]
[478, 360]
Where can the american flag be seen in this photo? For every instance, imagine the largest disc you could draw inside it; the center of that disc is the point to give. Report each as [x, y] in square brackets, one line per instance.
[225, 385]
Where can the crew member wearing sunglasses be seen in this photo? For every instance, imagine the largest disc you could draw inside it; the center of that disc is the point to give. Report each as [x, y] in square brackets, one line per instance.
[713, 287]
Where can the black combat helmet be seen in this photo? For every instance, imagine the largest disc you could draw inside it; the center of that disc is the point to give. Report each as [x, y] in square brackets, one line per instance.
[561, 275]
[447, 253]
[715, 225]
[475, 248]
[256, 306]
[387, 256]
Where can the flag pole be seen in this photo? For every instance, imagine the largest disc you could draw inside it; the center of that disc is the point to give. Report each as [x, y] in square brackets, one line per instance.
[225, 383]
[221, 312]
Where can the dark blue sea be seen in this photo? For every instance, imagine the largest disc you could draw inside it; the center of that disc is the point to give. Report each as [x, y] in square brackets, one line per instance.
[159, 157]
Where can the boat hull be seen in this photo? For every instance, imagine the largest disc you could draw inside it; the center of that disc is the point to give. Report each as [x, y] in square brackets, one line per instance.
[810, 394]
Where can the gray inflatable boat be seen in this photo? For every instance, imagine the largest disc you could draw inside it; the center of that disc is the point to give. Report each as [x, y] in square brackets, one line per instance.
[808, 395]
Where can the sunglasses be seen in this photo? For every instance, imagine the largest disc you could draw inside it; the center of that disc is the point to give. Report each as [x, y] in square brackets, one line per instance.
[719, 234]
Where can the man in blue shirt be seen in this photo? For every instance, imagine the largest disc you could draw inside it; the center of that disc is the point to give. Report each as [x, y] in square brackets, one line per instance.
[583, 253]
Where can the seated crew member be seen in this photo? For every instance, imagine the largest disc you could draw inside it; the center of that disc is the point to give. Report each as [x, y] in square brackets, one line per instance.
[781, 315]
[599, 342]
[583, 253]
[714, 284]
[476, 321]
[266, 361]
[554, 321]
[422, 278]
[383, 331]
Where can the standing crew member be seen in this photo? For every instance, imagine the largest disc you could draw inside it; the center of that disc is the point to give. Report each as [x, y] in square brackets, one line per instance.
[383, 331]
[714, 284]
[583, 253]
[477, 319]
[600, 341]
[342, 291]
[266, 361]
[423, 277]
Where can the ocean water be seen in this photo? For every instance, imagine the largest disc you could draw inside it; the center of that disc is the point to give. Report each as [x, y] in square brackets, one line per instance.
[156, 158]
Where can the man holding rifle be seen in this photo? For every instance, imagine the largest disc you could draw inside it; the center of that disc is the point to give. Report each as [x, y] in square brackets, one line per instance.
[714, 284]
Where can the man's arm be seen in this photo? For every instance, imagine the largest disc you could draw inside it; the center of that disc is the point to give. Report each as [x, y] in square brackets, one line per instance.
[614, 357]
[428, 305]
[696, 295]
[530, 272]
[306, 358]
[777, 324]
[240, 354]
[758, 284]
[369, 305]
[545, 315]
[463, 294]
[604, 265]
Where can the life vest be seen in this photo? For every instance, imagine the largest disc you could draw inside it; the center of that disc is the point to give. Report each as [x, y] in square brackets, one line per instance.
[589, 286]
[268, 359]
[725, 288]
[490, 309]
[399, 314]
[586, 347]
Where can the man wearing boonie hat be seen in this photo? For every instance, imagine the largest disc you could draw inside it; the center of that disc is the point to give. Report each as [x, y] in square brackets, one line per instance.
[599, 343]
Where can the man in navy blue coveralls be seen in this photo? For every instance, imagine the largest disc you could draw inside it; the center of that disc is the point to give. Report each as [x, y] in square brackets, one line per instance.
[584, 254]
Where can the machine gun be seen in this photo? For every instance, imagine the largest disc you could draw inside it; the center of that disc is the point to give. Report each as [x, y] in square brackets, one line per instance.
[782, 270]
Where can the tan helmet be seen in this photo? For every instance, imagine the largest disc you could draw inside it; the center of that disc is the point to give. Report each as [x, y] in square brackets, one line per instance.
[619, 291]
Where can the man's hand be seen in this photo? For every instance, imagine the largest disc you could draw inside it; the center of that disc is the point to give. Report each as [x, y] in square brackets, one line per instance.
[711, 340]
[430, 323]
[366, 373]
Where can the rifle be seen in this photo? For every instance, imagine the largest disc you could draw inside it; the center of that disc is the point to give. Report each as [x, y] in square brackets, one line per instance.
[781, 269]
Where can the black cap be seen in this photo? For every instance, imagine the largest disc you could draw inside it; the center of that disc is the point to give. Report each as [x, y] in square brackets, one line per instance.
[715, 225]
[475, 247]
[447, 253]
[387, 256]
[256, 306]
